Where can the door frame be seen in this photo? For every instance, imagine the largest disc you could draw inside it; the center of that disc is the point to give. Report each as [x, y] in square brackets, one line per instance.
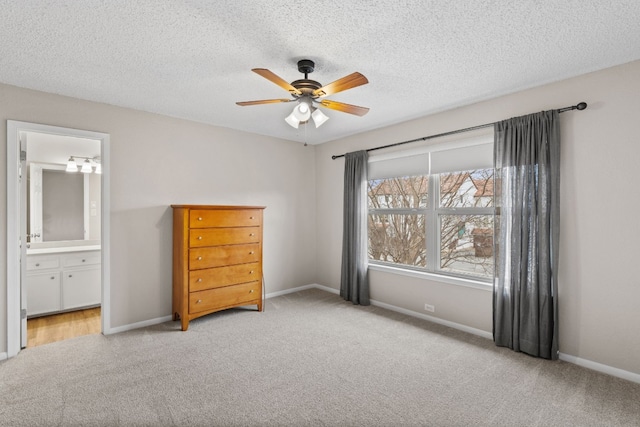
[14, 281]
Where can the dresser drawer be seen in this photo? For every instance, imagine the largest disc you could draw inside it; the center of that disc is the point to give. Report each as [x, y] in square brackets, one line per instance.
[223, 236]
[224, 218]
[227, 296]
[42, 263]
[218, 256]
[224, 276]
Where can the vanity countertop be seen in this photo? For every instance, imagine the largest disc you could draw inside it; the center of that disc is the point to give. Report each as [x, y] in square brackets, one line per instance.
[62, 249]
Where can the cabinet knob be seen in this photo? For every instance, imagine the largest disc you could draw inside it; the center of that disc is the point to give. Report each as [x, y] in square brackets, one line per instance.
[251, 253]
[251, 291]
[53, 277]
[251, 234]
[250, 217]
[37, 264]
[199, 237]
[251, 272]
[71, 275]
[83, 260]
[199, 258]
[199, 301]
[199, 218]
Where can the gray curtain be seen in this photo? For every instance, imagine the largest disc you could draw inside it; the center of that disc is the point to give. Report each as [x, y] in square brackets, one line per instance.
[354, 281]
[527, 179]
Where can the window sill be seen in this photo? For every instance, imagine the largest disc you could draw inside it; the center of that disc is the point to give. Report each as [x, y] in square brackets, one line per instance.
[458, 281]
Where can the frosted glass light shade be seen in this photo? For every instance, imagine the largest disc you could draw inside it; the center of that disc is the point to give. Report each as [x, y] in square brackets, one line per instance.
[98, 168]
[86, 166]
[291, 119]
[71, 165]
[319, 118]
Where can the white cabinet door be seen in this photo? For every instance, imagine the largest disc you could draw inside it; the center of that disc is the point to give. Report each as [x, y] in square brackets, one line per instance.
[80, 288]
[43, 292]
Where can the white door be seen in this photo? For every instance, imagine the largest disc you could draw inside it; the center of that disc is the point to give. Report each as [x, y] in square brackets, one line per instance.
[22, 177]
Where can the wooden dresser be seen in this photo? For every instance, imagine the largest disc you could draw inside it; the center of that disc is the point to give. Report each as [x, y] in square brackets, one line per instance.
[217, 259]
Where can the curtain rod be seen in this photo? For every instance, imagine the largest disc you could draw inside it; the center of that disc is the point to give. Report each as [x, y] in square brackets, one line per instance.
[579, 106]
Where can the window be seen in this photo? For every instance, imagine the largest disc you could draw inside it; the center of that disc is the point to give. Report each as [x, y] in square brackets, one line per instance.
[438, 217]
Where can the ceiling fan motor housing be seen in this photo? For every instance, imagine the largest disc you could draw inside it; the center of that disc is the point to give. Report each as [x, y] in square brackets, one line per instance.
[306, 66]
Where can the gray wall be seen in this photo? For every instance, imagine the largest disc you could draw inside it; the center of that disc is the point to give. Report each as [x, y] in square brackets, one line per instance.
[157, 161]
[598, 280]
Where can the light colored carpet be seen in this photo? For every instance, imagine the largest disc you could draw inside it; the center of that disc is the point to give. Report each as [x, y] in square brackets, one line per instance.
[311, 359]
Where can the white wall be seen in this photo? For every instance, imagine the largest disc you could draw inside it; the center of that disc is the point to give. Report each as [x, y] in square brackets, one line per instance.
[157, 161]
[599, 282]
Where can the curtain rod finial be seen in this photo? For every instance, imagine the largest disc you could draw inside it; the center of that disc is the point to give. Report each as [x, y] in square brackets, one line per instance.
[581, 106]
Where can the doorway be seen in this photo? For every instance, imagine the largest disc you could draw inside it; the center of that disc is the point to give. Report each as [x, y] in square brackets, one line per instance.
[58, 239]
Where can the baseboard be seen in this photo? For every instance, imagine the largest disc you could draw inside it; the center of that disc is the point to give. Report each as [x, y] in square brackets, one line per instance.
[433, 319]
[3, 356]
[138, 325]
[289, 291]
[599, 367]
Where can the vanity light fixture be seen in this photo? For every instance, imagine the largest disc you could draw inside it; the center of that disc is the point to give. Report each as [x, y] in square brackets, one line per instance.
[72, 165]
[87, 165]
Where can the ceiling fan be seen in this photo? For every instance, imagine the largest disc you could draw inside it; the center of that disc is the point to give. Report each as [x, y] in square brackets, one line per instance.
[308, 93]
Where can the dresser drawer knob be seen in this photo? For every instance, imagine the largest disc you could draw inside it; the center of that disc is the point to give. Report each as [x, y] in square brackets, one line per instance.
[251, 253]
[250, 217]
[199, 218]
[199, 237]
[199, 258]
[200, 279]
[53, 277]
[37, 264]
[251, 272]
[251, 234]
[83, 260]
[251, 291]
[199, 301]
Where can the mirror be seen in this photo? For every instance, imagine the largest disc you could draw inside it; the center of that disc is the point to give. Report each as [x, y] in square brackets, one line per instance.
[63, 207]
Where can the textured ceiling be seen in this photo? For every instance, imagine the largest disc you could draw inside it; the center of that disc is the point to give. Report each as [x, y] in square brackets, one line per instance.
[193, 58]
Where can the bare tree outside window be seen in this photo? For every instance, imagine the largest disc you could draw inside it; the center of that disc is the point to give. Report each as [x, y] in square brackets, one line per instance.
[399, 235]
[398, 226]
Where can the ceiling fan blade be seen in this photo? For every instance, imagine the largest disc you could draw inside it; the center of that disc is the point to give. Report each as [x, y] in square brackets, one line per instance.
[352, 80]
[345, 108]
[277, 80]
[264, 101]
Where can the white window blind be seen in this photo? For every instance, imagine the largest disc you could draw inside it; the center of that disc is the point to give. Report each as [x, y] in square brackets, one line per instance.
[466, 155]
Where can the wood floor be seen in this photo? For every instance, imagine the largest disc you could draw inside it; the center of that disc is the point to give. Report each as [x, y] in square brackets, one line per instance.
[58, 327]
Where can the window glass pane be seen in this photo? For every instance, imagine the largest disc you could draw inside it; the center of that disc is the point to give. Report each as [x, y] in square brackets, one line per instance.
[398, 193]
[467, 189]
[466, 244]
[398, 238]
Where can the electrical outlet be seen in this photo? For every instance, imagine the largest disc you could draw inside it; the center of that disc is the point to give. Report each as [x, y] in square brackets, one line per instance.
[429, 307]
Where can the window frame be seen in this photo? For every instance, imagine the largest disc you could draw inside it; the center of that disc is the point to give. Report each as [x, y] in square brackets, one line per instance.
[432, 217]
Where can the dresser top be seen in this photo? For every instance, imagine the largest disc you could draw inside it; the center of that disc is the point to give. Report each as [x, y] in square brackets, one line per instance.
[218, 207]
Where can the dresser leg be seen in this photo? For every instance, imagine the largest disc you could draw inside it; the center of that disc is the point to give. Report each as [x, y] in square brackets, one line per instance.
[184, 323]
[260, 306]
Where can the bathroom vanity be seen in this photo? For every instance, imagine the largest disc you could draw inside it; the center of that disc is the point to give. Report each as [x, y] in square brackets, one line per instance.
[62, 277]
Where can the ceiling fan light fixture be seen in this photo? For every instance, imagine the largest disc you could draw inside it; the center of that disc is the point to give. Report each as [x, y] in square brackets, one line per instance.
[302, 111]
[319, 117]
[291, 120]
